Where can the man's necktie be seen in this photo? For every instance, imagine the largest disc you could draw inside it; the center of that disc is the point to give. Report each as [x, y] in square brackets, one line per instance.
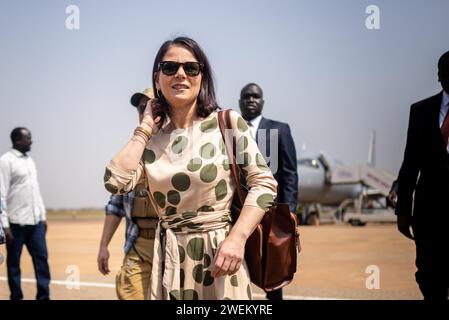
[445, 129]
[251, 129]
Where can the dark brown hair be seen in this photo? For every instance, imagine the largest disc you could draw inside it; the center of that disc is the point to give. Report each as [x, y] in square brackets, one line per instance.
[206, 101]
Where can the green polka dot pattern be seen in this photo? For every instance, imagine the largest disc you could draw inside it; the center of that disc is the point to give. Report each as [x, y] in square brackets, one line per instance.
[189, 215]
[195, 249]
[206, 209]
[246, 159]
[234, 281]
[182, 277]
[190, 294]
[194, 164]
[221, 190]
[173, 197]
[208, 125]
[265, 201]
[192, 225]
[182, 254]
[222, 146]
[226, 164]
[207, 260]
[208, 173]
[179, 145]
[197, 273]
[208, 279]
[160, 199]
[175, 295]
[208, 151]
[181, 181]
[187, 172]
[242, 125]
[111, 188]
[149, 156]
[170, 211]
[107, 175]
[175, 221]
[261, 164]
[242, 144]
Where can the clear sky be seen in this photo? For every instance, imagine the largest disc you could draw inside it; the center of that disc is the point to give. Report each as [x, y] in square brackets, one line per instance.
[322, 71]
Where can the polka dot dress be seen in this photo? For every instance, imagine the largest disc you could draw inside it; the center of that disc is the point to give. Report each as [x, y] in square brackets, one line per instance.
[192, 187]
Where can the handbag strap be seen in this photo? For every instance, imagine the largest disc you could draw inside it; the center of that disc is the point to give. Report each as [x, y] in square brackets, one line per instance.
[224, 122]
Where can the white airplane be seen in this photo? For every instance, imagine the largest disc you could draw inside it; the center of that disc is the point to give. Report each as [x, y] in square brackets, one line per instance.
[315, 180]
[324, 181]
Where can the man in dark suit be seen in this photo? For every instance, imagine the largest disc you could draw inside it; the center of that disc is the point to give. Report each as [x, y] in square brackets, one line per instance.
[283, 163]
[425, 172]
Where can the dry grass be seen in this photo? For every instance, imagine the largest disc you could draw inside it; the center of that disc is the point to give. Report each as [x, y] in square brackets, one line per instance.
[75, 214]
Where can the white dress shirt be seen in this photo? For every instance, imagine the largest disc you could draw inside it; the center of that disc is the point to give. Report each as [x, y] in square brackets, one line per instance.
[444, 109]
[20, 194]
[254, 125]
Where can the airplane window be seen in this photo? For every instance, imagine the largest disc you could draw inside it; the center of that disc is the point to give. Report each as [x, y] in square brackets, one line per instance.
[312, 163]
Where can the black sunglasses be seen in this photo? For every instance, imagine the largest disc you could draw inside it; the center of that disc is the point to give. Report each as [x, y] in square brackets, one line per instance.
[192, 69]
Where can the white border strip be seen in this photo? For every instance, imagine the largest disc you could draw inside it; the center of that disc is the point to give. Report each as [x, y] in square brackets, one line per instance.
[111, 285]
[69, 283]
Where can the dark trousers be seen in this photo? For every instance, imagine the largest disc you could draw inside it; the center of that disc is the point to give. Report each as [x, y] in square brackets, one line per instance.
[33, 237]
[432, 257]
[275, 294]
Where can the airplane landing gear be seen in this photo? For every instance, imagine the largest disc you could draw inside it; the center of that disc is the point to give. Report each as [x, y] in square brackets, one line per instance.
[313, 219]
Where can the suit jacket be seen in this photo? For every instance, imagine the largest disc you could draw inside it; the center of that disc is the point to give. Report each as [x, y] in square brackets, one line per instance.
[286, 174]
[425, 168]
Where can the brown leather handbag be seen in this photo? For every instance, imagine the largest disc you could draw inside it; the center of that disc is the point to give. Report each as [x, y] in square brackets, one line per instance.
[271, 250]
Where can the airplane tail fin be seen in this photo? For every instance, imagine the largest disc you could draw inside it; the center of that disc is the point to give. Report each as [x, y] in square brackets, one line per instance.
[372, 149]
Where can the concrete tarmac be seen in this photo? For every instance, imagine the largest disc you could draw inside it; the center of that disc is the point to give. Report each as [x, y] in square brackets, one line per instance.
[336, 262]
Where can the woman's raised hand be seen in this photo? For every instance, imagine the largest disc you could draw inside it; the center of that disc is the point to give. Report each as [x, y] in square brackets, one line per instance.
[150, 121]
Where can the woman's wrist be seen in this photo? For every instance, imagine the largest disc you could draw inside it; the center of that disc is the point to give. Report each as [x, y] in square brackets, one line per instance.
[139, 139]
[146, 126]
[141, 133]
[239, 235]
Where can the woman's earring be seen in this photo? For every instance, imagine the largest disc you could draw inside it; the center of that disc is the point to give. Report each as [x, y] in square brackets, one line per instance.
[159, 93]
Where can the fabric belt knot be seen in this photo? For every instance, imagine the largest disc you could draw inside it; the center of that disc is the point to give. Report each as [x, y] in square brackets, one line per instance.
[165, 276]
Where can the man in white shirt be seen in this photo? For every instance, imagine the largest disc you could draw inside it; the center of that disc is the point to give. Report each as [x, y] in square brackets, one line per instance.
[24, 216]
[2, 233]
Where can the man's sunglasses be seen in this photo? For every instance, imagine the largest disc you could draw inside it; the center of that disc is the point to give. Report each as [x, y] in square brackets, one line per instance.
[169, 68]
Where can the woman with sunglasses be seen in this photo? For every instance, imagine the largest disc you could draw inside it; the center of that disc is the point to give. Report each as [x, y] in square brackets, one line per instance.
[198, 254]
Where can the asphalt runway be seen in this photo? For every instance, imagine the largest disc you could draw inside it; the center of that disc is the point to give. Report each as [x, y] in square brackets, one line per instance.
[336, 262]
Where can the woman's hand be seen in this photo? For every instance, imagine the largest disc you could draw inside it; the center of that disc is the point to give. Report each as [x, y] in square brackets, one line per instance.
[150, 119]
[229, 257]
